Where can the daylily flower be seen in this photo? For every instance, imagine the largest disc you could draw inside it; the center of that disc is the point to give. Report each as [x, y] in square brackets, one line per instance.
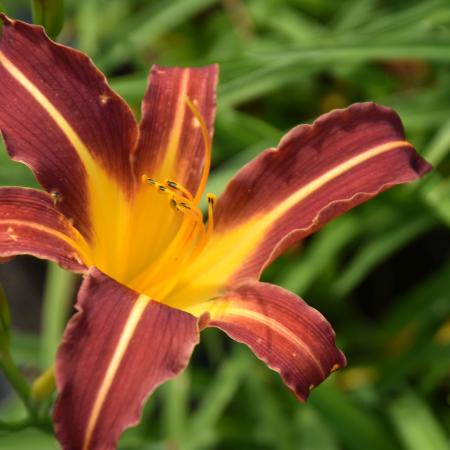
[121, 206]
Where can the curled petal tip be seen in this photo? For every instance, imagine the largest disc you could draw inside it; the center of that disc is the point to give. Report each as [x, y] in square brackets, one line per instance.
[288, 335]
[316, 173]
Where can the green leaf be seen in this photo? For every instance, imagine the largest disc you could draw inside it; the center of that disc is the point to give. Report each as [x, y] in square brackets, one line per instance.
[379, 249]
[313, 431]
[30, 439]
[357, 428]
[275, 425]
[439, 147]
[57, 301]
[13, 173]
[416, 425]
[5, 322]
[147, 25]
[325, 246]
[436, 193]
[50, 14]
[175, 397]
[216, 398]
[25, 348]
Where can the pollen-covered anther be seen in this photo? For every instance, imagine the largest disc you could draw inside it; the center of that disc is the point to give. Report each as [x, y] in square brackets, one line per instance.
[211, 204]
[184, 205]
[180, 197]
[212, 200]
[179, 188]
[173, 203]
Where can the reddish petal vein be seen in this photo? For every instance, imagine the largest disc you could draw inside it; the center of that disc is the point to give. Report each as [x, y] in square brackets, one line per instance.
[279, 328]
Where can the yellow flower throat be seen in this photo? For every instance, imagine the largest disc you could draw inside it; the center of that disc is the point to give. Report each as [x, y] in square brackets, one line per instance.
[146, 242]
[186, 243]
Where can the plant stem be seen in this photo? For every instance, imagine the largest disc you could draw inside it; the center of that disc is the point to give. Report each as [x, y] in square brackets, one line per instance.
[16, 379]
[15, 426]
[57, 297]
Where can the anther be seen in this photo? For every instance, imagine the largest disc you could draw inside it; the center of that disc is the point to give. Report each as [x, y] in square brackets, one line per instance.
[211, 203]
[162, 188]
[177, 187]
[184, 205]
[212, 199]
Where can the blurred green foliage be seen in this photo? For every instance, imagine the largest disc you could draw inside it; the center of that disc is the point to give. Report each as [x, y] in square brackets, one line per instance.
[381, 274]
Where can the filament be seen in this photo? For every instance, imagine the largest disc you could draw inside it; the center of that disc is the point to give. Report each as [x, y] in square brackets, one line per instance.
[207, 144]
[159, 278]
[178, 187]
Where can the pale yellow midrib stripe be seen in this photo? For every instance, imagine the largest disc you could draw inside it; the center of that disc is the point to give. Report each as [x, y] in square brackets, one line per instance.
[175, 133]
[125, 337]
[256, 227]
[319, 182]
[95, 173]
[62, 123]
[47, 230]
[274, 325]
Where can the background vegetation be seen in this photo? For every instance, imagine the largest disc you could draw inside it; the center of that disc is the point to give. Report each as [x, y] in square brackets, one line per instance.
[380, 274]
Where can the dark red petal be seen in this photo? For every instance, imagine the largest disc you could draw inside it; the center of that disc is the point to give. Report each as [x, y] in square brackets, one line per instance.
[59, 116]
[171, 144]
[317, 173]
[116, 350]
[283, 331]
[29, 224]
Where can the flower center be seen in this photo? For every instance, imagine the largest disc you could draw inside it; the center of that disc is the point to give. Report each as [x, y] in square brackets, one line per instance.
[153, 237]
[187, 241]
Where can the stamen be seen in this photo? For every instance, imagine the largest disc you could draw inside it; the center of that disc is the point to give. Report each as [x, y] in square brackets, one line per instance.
[178, 202]
[161, 276]
[184, 205]
[177, 187]
[211, 204]
[194, 213]
[173, 202]
[188, 241]
[206, 234]
[207, 144]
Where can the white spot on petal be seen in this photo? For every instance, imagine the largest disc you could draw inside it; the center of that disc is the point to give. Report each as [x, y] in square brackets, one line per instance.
[104, 99]
[335, 367]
